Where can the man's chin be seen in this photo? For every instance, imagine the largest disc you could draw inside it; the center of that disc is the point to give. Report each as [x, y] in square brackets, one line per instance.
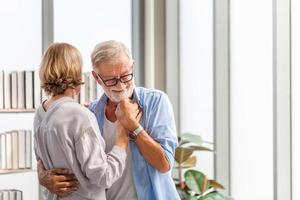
[116, 100]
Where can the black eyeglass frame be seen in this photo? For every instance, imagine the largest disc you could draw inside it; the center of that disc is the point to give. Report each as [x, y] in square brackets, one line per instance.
[116, 80]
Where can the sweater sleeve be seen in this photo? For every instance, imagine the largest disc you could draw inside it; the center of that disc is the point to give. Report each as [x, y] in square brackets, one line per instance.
[101, 169]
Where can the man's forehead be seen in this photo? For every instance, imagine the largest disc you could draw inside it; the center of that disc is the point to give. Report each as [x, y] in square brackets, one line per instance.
[121, 60]
[112, 68]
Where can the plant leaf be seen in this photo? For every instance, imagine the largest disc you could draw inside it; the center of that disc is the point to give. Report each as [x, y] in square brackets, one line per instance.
[182, 154]
[196, 139]
[215, 196]
[190, 162]
[200, 148]
[182, 166]
[215, 184]
[196, 181]
[191, 198]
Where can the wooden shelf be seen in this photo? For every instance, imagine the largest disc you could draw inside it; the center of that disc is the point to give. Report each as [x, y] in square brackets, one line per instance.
[12, 171]
[17, 110]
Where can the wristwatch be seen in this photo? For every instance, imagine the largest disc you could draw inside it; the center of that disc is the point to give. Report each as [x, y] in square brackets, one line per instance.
[133, 135]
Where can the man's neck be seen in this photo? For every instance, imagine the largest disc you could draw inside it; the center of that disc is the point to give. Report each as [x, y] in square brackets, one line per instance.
[110, 109]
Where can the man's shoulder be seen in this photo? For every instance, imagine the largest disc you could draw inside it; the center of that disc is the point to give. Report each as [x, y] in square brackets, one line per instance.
[152, 98]
[150, 92]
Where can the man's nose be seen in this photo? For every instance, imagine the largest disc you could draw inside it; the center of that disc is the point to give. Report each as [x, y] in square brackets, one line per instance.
[120, 85]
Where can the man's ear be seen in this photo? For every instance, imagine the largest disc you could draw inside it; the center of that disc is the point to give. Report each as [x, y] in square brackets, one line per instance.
[96, 77]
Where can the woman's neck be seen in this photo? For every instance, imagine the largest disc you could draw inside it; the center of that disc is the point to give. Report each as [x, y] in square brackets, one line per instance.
[53, 98]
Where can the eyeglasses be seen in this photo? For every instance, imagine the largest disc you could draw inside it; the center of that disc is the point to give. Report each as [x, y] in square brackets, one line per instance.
[114, 81]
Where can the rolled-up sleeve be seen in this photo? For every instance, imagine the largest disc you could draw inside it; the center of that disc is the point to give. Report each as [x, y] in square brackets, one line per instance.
[161, 126]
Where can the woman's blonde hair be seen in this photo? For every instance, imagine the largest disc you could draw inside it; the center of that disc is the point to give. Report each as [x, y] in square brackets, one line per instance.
[60, 68]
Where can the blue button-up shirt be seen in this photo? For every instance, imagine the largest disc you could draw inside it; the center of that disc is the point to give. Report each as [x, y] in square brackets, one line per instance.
[158, 121]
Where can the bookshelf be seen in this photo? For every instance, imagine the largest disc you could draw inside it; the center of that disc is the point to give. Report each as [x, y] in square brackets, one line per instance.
[26, 182]
[18, 88]
[10, 171]
[17, 110]
[26, 179]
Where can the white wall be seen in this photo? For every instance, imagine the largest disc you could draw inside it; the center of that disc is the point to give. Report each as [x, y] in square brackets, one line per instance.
[20, 37]
[251, 100]
[196, 74]
[296, 98]
[86, 23]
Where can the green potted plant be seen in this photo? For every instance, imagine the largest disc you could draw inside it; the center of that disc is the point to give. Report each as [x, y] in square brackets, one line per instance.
[194, 185]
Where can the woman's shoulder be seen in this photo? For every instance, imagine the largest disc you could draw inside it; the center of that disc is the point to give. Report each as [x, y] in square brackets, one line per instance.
[75, 108]
[77, 115]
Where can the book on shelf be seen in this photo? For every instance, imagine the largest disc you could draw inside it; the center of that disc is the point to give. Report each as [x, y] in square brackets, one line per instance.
[92, 87]
[87, 88]
[5, 194]
[16, 150]
[11, 194]
[90, 91]
[18, 194]
[3, 151]
[82, 89]
[21, 89]
[29, 89]
[7, 91]
[1, 89]
[14, 83]
[8, 145]
[37, 89]
[21, 149]
[28, 147]
[14, 142]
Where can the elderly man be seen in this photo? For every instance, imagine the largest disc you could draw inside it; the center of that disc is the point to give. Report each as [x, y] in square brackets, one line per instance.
[151, 151]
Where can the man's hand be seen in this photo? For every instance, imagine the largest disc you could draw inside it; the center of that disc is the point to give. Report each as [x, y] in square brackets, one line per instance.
[57, 181]
[128, 114]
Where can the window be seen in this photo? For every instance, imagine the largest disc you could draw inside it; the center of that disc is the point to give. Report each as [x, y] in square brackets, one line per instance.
[196, 74]
[251, 99]
[295, 98]
[85, 23]
[20, 38]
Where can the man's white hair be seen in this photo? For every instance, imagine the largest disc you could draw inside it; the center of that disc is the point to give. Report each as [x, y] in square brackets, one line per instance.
[109, 52]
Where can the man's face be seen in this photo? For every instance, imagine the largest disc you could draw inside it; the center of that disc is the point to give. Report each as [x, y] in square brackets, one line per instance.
[116, 79]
